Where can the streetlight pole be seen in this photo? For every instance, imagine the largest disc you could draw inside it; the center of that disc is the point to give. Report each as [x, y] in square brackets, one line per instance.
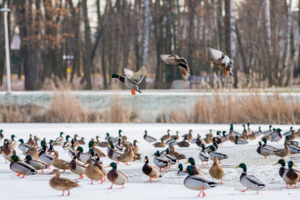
[7, 56]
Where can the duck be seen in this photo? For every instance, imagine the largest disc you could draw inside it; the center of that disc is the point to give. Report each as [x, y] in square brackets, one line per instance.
[268, 146]
[116, 139]
[7, 151]
[195, 182]
[290, 175]
[51, 150]
[159, 144]
[82, 157]
[175, 137]
[234, 133]
[166, 137]
[276, 136]
[220, 60]
[230, 137]
[267, 132]
[40, 149]
[213, 154]
[177, 155]
[92, 146]
[161, 161]
[293, 135]
[216, 171]
[170, 157]
[62, 184]
[245, 135]
[288, 133]
[180, 170]
[116, 177]
[13, 143]
[210, 133]
[222, 137]
[149, 170]
[60, 140]
[183, 143]
[189, 136]
[218, 139]
[33, 152]
[21, 168]
[173, 142]
[208, 139]
[294, 149]
[197, 138]
[126, 157]
[282, 169]
[36, 164]
[77, 167]
[119, 146]
[199, 141]
[67, 144]
[59, 163]
[239, 141]
[132, 79]
[108, 137]
[101, 144]
[30, 141]
[250, 182]
[264, 151]
[22, 146]
[135, 147]
[203, 155]
[283, 152]
[72, 148]
[100, 165]
[93, 172]
[112, 153]
[177, 61]
[149, 138]
[252, 135]
[259, 132]
[1, 135]
[76, 142]
[215, 144]
[196, 171]
[44, 157]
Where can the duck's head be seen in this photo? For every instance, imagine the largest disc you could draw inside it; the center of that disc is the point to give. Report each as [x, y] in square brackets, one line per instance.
[72, 142]
[175, 138]
[287, 137]
[67, 137]
[291, 128]
[146, 160]
[55, 172]
[113, 165]
[270, 126]
[91, 144]
[281, 161]
[12, 137]
[236, 137]
[190, 170]
[1, 131]
[120, 131]
[218, 132]
[115, 76]
[212, 148]
[167, 151]
[191, 161]
[61, 133]
[274, 129]
[259, 128]
[291, 164]
[157, 154]
[6, 142]
[185, 137]
[43, 144]
[203, 146]
[198, 135]
[177, 132]
[248, 124]
[80, 149]
[30, 135]
[243, 166]
[51, 142]
[278, 130]
[224, 133]
[21, 140]
[180, 167]
[97, 157]
[259, 143]
[264, 140]
[168, 131]
[14, 158]
[107, 134]
[145, 132]
[244, 126]
[190, 131]
[28, 157]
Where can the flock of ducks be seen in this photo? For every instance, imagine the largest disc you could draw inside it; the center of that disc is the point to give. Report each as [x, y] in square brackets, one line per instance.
[133, 79]
[119, 150]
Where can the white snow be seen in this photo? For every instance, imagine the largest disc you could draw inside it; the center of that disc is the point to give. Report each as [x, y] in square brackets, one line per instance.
[170, 186]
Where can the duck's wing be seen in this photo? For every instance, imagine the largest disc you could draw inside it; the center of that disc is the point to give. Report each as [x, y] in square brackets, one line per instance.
[216, 54]
[249, 179]
[171, 59]
[138, 76]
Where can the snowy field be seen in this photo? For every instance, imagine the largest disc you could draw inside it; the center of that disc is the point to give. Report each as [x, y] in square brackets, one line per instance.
[170, 186]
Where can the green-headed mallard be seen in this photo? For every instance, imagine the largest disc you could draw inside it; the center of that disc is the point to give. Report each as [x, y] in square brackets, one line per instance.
[116, 177]
[196, 182]
[22, 146]
[216, 171]
[180, 170]
[1, 135]
[189, 136]
[59, 163]
[215, 144]
[213, 154]
[268, 146]
[30, 141]
[288, 133]
[62, 184]
[290, 176]
[149, 138]
[44, 157]
[239, 141]
[36, 164]
[108, 137]
[161, 161]
[77, 167]
[60, 140]
[177, 61]
[131, 79]
[250, 182]
[13, 142]
[265, 151]
[150, 171]
[220, 60]
[67, 144]
[183, 143]
[93, 172]
[51, 150]
[21, 168]
[259, 132]
[112, 153]
[203, 155]
[92, 146]
[276, 136]
[82, 157]
[196, 171]
[199, 141]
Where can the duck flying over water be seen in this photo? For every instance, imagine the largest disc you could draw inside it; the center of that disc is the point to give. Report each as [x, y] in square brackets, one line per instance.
[177, 61]
[132, 79]
[220, 60]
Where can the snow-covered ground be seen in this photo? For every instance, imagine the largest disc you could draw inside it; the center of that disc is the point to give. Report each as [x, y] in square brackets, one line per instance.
[170, 186]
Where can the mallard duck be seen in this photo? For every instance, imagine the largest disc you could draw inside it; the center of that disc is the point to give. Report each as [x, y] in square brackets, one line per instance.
[135, 147]
[44, 157]
[13, 143]
[112, 153]
[67, 144]
[267, 132]
[119, 146]
[293, 135]
[189, 136]
[170, 157]
[215, 144]
[77, 167]
[196, 182]
[208, 139]
[60, 140]
[252, 135]
[216, 155]
[239, 141]
[259, 132]
[82, 157]
[101, 144]
[126, 157]
[30, 141]
[76, 142]
[81, 141]
[265, 151]
[220, 60]
[161, 161]
[116, 139]
[20, 167]
[36, 164]
[51, 150]
[216, 171]
[92, 146]
[250, 182]
[7, 151]
[108, 137]
[230, 137]
[234, 133]
[210, 133]
[183, 143]
[180, 170]
[218, 139]
[62, 184]
[149, 170]
[1, 135]
[100, 165]
[203, 155]
[245, 135]
[195, 139]
[170, 141]
[288, 133]
[276, 136]
[33, 152]
[72, 149]
[199, 141]
[222, 137]
[116, 177]
[283, 152]
[175, 137]
[177, 61]
[196, 171]
[93, 173]
[290, 176]
[166, 137]
[159, 144]
[40, 149]
[131, 79]
[178, 156]
[22, 146]
[59, 163]
[268, 146]
[149, 138]
[293, 148]
[282, 169]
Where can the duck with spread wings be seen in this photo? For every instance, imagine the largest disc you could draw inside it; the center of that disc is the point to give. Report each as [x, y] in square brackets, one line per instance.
[177, 61]
[220, 60]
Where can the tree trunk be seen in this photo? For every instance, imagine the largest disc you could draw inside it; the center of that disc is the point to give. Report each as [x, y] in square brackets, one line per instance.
[36, 50]
[286, 51]
[220, 24]
[268, 42]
